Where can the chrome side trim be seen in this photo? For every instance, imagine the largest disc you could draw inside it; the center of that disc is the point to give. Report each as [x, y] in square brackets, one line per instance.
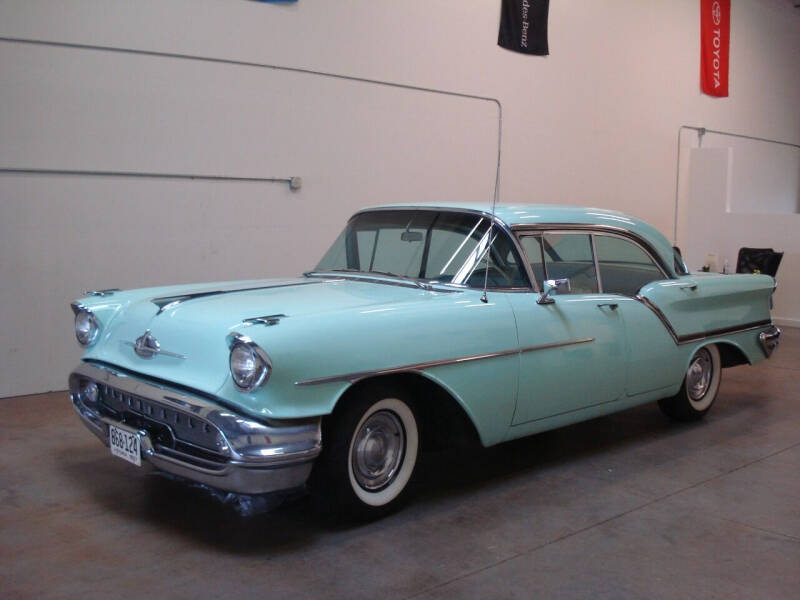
[769, 340]
[417, 367]
[661, 316]
[702, 335]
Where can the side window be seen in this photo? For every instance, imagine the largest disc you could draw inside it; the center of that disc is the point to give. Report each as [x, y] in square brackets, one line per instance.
[532, 245]
[624, 266]
[504, 265]
[569, 256]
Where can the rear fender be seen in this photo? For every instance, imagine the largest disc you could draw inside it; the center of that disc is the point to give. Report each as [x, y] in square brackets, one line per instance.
[704, 306]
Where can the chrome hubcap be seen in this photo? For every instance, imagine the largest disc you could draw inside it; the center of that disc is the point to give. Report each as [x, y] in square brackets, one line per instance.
[377, 450]
[698, 378]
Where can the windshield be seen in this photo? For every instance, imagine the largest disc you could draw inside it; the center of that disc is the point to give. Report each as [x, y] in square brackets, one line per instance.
[429, 245]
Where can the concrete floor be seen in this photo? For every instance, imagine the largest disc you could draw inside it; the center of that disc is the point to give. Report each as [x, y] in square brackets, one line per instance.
[626, 506]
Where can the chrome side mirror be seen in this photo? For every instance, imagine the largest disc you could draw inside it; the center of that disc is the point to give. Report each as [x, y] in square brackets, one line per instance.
[558, 286]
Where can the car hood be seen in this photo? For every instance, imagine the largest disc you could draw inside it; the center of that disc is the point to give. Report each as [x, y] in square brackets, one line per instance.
[191, 323]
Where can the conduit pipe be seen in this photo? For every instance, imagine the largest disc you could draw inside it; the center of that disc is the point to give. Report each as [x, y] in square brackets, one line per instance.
[244, 63]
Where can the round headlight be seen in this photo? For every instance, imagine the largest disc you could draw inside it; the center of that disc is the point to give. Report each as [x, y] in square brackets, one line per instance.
[249, 365]
[86, 327]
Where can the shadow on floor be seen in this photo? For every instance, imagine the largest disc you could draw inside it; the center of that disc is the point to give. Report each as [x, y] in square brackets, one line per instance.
[196, 515]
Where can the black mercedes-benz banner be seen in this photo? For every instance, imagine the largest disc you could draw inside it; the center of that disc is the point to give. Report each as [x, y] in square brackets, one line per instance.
[523, 26]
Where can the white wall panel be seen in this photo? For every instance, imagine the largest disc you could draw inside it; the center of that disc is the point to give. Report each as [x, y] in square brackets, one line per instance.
[354, 144]
[594, 123]
[712, 228]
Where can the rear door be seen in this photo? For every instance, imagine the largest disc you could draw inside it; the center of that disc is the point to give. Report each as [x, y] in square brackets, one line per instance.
[653, 361]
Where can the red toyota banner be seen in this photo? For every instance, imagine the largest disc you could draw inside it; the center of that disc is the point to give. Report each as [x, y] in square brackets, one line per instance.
[715, 35]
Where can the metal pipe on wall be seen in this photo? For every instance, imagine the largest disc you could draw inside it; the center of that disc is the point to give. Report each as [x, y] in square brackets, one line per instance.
[243, 63]
[294, 182]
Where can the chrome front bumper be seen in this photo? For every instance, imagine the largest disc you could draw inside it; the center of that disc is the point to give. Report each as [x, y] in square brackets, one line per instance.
[193, 437]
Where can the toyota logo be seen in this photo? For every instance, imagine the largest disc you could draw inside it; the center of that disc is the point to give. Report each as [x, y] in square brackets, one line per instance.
[716, 13]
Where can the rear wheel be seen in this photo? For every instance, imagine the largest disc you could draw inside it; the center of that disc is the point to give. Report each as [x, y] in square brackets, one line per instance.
[370, 448]
[699, 389]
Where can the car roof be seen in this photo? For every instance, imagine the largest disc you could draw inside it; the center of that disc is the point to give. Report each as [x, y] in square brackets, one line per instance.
[518, 215]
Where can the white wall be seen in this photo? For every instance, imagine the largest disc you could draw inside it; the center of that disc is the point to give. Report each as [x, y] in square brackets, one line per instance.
[718, 184]
[594, 123]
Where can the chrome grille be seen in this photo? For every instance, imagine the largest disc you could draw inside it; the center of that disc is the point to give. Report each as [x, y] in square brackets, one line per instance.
[168, 427]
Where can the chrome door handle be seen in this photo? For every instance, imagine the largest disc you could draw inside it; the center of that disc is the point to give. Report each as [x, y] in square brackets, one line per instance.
[611, 305]
[688, 286]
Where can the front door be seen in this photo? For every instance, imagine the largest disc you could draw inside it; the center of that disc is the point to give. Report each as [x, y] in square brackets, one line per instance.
[573, 349]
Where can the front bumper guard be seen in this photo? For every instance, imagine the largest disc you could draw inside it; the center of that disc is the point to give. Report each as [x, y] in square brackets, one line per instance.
[250, 457]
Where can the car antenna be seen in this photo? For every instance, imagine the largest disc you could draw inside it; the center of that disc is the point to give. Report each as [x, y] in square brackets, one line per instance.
[485, 298]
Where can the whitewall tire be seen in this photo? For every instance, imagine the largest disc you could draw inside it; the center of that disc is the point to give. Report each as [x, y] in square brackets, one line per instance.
[370, 446]
[383, 452]
[700, 386]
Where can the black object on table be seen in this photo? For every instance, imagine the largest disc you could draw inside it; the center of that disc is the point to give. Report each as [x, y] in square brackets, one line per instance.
[758, 260]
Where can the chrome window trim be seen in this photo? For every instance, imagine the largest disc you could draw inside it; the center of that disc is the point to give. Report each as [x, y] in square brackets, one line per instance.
[545, 231]
[545, 274]
[598, 229]
[596, 265]
[636, 243]
[419, 367]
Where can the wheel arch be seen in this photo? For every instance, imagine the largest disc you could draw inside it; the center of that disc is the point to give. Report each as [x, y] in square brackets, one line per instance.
[440, 410]
[731, 354]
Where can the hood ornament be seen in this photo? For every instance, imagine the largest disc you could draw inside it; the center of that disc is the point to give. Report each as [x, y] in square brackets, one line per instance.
[147, 346]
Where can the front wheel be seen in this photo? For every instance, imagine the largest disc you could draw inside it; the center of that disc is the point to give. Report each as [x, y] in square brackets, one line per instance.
[699, 389]
[370, 448]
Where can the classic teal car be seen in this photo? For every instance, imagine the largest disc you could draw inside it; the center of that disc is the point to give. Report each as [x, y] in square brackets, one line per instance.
[422, 325]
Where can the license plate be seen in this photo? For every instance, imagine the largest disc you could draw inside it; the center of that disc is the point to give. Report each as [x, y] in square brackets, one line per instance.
[125, 444]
